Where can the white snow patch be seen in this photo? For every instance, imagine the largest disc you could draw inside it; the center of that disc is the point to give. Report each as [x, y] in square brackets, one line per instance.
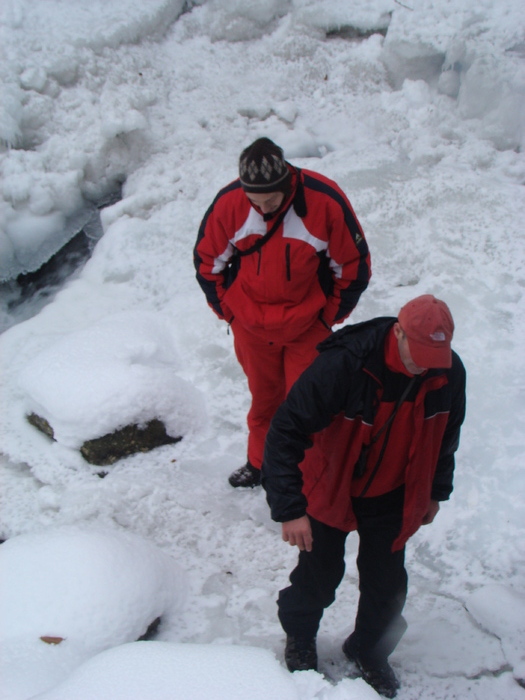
[93, 589]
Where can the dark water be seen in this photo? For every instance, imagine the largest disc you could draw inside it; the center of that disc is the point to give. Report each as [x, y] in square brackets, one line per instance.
[23, 297]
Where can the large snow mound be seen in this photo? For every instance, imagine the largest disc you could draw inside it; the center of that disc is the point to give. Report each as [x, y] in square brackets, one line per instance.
[92, 589]
[164, 671]
[117, 372]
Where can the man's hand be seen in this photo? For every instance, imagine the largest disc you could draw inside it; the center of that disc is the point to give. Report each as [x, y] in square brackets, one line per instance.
[431, 513]
[298, 532]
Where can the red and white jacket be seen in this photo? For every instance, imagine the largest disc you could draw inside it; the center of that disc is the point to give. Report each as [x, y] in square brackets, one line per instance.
[317, 263]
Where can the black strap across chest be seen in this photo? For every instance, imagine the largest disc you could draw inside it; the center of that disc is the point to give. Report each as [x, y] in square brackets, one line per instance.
[386, 426]
[264, 239]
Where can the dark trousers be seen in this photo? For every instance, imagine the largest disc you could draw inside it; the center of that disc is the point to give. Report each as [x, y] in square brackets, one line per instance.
[379, 624]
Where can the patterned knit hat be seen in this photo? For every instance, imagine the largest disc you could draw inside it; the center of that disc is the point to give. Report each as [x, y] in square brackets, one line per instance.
[262, 168]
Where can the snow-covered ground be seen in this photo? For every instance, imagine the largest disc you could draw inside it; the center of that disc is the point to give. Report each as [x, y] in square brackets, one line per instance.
[424, 129]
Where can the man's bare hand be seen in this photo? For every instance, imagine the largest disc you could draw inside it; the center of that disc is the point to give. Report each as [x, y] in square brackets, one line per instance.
[298, 533]
[431, 513]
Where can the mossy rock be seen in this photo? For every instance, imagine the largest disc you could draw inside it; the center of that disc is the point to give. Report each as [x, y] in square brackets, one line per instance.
[126, 441]
[121, 443]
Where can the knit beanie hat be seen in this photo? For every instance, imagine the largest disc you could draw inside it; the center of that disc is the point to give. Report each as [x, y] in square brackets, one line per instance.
[262, 168]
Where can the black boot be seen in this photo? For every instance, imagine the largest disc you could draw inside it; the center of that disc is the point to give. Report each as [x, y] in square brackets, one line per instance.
[300, 654]
[380, 675]
[246, 476]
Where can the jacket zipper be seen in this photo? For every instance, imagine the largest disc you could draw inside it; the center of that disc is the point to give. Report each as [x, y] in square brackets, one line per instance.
[259, 253]
[288, 267]
[415, 380]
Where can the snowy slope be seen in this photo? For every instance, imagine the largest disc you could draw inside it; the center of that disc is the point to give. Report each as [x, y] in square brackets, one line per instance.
[423, 128]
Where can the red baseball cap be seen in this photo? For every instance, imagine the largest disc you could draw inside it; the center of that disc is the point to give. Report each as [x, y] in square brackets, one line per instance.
[428, 326]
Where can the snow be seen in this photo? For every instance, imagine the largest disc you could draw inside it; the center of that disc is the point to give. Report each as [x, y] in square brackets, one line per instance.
[88, 590]
[126, 363]
[501, 611]
[423, 128]
[197, 671]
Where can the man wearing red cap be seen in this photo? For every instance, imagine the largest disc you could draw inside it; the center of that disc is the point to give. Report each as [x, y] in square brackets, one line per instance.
[364, 441]
[281, 256]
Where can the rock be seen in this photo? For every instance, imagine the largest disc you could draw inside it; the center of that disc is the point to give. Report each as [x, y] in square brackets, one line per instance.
[151, 631]
[41, 424]
[121, 443]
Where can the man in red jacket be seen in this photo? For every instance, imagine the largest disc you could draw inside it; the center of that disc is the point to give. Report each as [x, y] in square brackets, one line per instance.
[364, 441]
[280, 256]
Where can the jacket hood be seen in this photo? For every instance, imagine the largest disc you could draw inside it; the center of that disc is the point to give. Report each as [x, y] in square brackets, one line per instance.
[360, 339]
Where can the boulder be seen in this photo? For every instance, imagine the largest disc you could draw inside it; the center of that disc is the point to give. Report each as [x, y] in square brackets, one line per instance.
[109, 448]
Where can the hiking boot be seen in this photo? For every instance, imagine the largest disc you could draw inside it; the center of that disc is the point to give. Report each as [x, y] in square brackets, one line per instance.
[380, 676]
[300, 654]
[246, 476]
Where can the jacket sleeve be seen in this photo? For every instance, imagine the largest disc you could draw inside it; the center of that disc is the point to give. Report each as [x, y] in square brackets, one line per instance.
[212, 254]
[315, 398]
[442, 484]
[348, 255]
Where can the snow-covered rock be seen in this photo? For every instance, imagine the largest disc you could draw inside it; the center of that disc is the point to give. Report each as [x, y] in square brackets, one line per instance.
[67, 594]
[121, 371]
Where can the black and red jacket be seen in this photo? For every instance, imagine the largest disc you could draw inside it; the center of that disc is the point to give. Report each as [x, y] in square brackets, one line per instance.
[339, 403]
[316, 264]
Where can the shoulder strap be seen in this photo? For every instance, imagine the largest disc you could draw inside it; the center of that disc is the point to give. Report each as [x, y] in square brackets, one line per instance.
[264, 239]
[386, 426]
[396, 409]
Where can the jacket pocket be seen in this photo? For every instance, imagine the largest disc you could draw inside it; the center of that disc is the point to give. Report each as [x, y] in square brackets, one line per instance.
[231, 270]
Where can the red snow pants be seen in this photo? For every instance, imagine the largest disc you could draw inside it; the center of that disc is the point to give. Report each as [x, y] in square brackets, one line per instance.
[271, 366]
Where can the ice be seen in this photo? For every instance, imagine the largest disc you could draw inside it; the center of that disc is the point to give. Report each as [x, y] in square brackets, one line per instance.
[471, 53]
[500, 610]
[334, 16]
[427, 42]
[493, 90]
[47, 59]
[10, 114]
